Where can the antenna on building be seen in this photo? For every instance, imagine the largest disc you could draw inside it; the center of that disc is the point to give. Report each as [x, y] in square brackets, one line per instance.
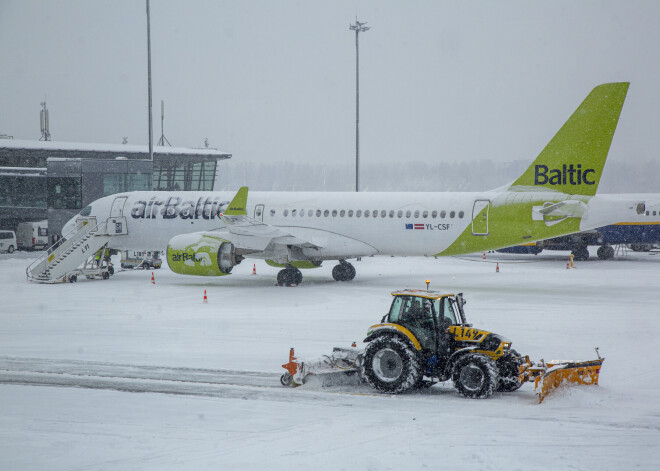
[44, 122]
[163, 139]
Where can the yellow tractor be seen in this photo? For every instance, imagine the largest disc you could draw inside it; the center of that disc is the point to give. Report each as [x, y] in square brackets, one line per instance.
[424, 339]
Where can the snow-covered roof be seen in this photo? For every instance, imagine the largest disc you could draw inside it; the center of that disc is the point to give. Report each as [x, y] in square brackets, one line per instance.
[114, 148]
[22, 171]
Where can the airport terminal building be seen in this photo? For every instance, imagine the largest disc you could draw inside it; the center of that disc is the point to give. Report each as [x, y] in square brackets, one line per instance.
[55, 180]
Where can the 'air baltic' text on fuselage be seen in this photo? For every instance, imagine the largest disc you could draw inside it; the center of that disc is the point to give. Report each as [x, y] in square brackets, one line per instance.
[173, 207]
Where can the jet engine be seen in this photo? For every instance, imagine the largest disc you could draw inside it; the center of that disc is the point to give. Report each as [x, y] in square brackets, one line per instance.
[201, 254]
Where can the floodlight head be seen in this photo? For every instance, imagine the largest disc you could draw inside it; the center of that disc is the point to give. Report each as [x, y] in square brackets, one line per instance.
[359, 27]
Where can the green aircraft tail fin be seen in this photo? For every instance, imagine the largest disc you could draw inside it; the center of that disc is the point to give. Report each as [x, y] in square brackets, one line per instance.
[573, 160]
[237, 207]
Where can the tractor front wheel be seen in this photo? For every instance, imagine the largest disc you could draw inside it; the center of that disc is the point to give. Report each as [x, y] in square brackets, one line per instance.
[390, 365]
[509, 366]
[475, 376]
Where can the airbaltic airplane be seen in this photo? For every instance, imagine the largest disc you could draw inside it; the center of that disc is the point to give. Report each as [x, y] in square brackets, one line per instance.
[208, 233]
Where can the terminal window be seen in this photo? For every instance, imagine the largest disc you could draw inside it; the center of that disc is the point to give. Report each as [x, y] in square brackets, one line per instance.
[184, 175]
[23, 191]
[64, 192]
[121, 182]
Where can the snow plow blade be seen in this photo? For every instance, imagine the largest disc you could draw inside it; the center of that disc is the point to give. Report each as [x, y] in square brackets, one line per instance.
[341, 361]
[548, 376]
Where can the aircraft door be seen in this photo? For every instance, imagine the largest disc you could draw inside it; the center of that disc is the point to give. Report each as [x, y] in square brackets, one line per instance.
[116, 224]
[480, 217]
[259, 212]
[117, 209]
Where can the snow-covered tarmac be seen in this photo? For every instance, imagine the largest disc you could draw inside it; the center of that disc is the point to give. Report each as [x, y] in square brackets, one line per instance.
[123, 374]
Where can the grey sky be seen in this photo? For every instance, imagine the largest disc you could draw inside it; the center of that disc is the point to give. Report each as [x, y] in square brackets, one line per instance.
[275, 80]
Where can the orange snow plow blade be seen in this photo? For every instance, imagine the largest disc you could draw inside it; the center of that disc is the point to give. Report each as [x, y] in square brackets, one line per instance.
[551, 375]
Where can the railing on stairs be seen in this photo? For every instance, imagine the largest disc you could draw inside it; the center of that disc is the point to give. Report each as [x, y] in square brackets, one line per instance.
[40, 269]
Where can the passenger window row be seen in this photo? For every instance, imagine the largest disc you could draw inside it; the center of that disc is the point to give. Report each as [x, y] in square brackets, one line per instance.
[368, 213]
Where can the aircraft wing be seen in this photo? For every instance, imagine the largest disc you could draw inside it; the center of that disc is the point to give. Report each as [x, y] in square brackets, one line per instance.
[249, 233]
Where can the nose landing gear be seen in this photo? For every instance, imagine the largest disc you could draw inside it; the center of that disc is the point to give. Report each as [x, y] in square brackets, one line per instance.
[344, 271]
[290, 276]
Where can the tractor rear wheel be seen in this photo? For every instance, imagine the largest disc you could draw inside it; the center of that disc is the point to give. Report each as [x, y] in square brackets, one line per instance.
[475, 376]
[390, 365]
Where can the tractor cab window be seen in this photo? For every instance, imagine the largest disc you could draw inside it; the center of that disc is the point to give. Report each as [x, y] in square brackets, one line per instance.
[417, 314]
[415, 308]
[407, 308]
[395, 310]
[448, 310]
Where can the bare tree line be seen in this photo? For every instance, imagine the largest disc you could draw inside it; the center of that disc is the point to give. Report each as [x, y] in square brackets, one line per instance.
[415, 176]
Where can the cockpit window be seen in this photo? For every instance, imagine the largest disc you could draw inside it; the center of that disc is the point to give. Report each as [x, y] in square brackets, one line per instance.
[87, 211]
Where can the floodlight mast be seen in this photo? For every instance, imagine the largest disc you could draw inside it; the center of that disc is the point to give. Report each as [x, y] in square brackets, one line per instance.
[151, 132]
[358, 27]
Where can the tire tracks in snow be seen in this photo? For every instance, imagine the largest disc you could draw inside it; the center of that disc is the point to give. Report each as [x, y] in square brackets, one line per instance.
[138, 378]
[156, 379]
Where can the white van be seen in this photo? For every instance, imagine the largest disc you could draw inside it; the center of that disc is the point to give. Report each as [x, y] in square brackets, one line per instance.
[7, 241]
[32, 235]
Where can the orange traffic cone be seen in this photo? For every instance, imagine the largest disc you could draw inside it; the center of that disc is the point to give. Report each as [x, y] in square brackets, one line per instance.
[254, 269]
[497, 268]
[205, 298]
[484, 257]
[153, 282]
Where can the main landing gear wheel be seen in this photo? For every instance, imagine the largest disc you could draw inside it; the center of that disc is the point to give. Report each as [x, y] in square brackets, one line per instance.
[580, 254]
[475, 376]
[343, 272]
[290, 276]
[605, 252]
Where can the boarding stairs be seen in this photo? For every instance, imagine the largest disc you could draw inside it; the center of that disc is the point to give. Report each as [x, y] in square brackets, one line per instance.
[61, 261]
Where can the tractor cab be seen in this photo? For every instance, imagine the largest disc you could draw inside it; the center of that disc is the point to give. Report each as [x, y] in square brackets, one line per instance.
[427, 314]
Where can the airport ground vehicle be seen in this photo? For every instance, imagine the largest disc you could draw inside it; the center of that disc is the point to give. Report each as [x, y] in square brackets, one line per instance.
[98, 266]
[141, 259]
[425, 339]
[32, 235]
[7, 241]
